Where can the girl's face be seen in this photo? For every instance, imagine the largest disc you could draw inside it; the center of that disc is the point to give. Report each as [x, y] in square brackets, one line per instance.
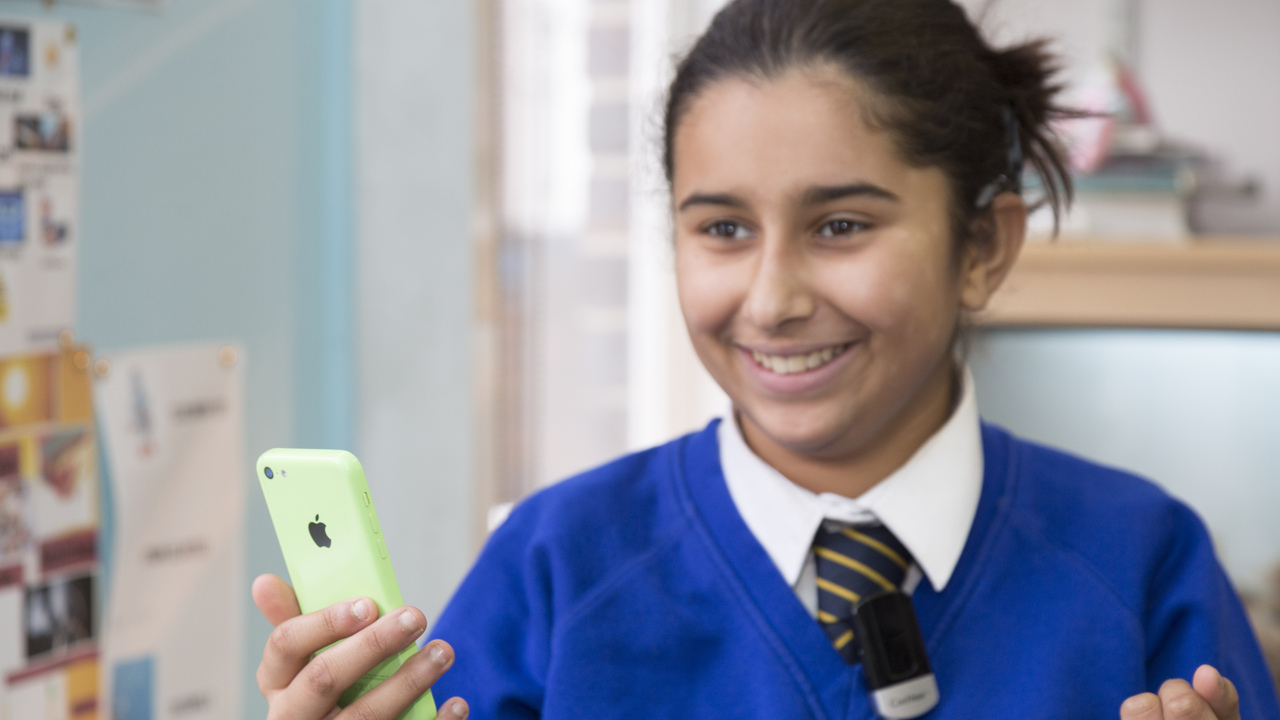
[815, 268]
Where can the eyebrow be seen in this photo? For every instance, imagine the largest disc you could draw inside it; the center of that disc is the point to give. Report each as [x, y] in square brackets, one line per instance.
[812, 196]
[820, 195]
[722, 199]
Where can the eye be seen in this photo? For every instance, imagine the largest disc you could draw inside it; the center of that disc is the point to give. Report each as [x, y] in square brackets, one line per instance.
[842, 226]
[727, 229]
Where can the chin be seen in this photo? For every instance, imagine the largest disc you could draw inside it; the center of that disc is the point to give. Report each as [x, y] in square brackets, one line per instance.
[811, 431]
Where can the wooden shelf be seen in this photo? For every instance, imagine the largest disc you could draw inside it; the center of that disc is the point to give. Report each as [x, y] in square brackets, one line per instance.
[1207, 283]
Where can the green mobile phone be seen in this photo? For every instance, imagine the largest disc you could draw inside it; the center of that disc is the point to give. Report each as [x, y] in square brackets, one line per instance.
[328, 530]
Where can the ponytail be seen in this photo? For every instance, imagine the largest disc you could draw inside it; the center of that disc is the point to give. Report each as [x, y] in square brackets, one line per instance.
[1026, 73]
[947, 95]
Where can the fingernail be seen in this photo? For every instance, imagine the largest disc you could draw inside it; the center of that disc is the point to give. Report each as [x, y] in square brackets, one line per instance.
[460, 709]
[361, 609]
[437, 655]
[1139, 705]
[408, 622]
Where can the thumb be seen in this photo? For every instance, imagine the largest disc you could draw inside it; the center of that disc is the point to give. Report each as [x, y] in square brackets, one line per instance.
[1218, 691]
[275, 599]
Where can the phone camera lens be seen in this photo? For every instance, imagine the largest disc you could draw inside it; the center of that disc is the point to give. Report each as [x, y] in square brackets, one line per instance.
[268, 473]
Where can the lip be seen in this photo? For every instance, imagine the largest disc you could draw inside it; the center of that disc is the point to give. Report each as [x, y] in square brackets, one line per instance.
[795, 383]
[793, 349]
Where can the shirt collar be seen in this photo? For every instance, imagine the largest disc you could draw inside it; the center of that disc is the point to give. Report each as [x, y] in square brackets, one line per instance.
[929, 503]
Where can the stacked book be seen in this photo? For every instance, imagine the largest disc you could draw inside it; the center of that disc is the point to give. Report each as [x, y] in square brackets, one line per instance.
[1145, 197]
[1141, 190]
[1130, 183]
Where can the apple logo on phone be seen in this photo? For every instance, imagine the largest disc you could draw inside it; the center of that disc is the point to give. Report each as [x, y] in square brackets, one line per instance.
[318, 534]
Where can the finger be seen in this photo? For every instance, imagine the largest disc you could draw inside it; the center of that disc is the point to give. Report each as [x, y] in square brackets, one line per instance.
[291, 644]
[455, 708]
[275, 599]
[1179, 701]
[1141, 707]
[318, 685]
[410, 682]
[1218, 691]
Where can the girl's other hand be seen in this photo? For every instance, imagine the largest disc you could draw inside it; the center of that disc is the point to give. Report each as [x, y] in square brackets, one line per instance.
[1209, 696]
[300, 685]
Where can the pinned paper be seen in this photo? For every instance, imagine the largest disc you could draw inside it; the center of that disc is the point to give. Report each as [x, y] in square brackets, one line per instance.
[173, 428]
[50, 515]
[39, 183]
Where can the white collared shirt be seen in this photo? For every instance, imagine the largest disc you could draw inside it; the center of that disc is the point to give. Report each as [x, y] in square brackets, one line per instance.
[928, 504]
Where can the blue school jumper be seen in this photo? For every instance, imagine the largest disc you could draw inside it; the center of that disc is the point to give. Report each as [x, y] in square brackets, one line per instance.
[637, 591]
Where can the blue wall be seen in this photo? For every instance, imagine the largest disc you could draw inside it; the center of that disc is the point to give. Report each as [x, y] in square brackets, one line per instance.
[415, 94]
[216, 206]
[1196, 411]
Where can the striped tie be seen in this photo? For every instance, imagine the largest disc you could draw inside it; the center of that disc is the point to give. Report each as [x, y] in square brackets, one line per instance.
[853, 563]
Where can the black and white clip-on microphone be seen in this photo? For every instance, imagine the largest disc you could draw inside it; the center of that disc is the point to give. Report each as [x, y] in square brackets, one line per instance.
[894, 660]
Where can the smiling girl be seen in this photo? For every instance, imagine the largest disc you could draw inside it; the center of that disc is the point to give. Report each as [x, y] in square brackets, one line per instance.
[845, 188]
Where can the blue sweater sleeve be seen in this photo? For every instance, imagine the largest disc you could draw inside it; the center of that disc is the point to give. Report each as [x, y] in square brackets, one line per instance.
[1194, 618]
[498, 623]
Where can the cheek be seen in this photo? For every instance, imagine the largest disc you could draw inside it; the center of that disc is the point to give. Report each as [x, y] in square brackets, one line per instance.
[900, 290]
[708, 290]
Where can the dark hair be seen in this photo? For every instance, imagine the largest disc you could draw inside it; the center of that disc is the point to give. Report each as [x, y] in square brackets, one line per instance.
[947, 98]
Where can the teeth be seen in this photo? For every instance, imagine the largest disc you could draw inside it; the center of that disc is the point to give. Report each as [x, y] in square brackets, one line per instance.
[788, 364]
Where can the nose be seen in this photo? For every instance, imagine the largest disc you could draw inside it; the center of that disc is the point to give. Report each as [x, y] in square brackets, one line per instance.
[779, 293]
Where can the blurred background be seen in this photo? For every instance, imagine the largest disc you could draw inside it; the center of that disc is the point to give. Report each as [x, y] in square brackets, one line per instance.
[435, 234]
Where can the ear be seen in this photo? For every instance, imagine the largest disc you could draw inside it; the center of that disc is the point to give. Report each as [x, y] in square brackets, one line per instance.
[986, 264]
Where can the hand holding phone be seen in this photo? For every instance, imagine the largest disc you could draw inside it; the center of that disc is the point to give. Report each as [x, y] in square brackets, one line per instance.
[343, 580]
[300, 685]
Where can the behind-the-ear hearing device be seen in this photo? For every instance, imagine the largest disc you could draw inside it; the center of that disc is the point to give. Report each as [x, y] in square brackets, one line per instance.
[894, 660]
[1011, 179]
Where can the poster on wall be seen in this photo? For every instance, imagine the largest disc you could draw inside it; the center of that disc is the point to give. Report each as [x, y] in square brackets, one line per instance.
[49, 522]
[39, 183]
[173, 628]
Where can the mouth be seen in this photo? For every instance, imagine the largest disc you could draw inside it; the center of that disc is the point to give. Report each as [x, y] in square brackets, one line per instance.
[794, 364]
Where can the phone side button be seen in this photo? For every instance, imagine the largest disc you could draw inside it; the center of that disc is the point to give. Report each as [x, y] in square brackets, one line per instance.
[382, 548]
[373, 523]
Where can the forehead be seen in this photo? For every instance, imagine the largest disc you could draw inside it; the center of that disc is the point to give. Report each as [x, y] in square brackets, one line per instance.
[804, 127]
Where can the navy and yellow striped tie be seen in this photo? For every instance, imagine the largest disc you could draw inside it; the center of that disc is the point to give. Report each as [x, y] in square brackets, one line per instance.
[853, 563]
